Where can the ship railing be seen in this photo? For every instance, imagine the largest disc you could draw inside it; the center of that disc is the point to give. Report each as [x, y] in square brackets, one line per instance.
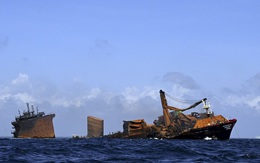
[41, 114]
[50, 113]
[22, 116]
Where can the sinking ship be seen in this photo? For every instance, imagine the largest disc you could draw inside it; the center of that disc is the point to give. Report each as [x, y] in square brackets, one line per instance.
[33, 124]
[174, 124]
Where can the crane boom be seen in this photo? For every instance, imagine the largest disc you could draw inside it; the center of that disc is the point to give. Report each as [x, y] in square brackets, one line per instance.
[165, 107]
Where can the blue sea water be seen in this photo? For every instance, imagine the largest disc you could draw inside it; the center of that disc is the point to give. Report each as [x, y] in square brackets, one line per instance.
[126, 150]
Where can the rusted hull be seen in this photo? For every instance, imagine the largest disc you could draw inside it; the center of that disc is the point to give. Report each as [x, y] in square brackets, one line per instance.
[176, 125]
[95, 127]
[219, 132]
[40, 127]
[135, 129]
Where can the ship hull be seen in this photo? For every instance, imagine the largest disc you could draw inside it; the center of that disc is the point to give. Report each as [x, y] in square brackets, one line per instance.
[176, 125]
[220, 132]
[39, 127]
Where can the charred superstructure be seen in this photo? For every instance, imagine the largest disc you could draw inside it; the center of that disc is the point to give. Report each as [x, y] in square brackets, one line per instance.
[177, 125]
[33, 124]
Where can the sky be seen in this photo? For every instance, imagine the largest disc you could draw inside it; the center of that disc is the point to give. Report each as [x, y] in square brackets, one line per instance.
[109, 59]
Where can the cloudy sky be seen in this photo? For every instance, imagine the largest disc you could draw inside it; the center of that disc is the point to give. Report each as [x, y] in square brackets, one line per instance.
[110, 59]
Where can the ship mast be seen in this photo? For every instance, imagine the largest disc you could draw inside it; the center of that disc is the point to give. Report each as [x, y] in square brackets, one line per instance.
[28, 107]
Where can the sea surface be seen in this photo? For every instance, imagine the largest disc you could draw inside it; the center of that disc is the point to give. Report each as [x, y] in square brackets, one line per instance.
[127, 150]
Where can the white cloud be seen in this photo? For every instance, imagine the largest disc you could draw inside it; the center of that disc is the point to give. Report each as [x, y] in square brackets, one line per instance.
[254, 103]
[180, 79]
[251, 101]
[24, 97]
[19, 89]
[94, 93]
[4, 97]
[247, 95]
[21, 79]
[253, 84]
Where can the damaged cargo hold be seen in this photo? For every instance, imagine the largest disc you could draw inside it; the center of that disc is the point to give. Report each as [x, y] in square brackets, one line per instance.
[174, 124]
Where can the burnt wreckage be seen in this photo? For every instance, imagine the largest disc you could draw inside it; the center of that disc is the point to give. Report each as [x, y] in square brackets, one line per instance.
[33, 125]
[174, 124]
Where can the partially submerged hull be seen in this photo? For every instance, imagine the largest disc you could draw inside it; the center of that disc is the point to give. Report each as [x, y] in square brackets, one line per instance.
[41, 127]
[176, 125]
[95, 127]
[30, 125]
[139, 129]
[220, 132]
